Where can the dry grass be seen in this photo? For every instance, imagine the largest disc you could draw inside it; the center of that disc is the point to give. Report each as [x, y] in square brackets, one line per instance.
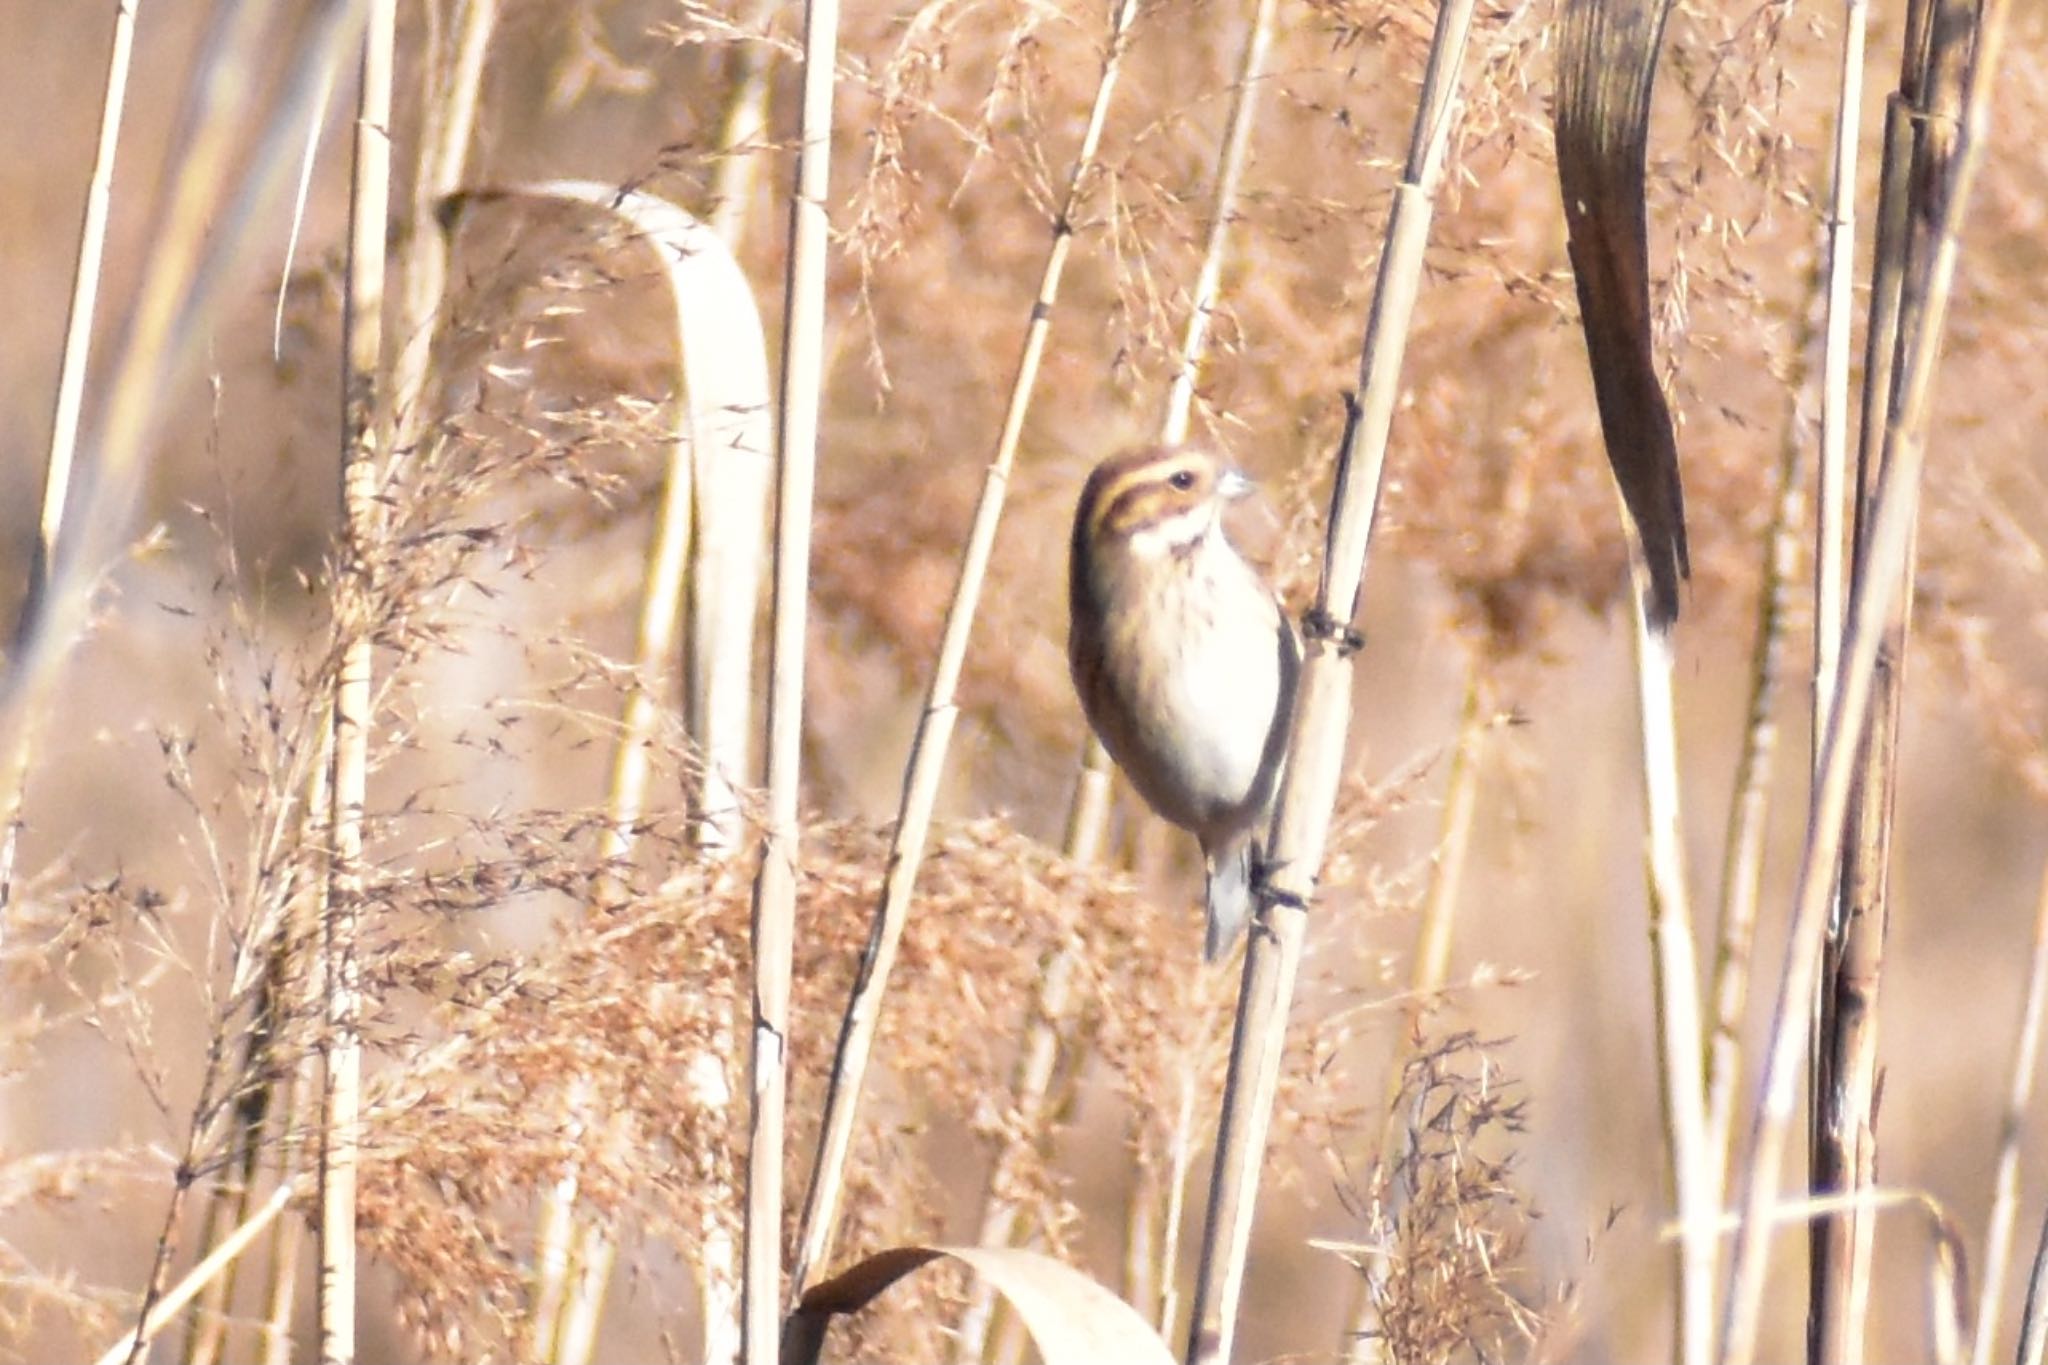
[1449, 1213]
[164, 843]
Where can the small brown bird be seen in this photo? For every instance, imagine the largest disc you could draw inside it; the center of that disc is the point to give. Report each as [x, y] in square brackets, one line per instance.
[1183, 659]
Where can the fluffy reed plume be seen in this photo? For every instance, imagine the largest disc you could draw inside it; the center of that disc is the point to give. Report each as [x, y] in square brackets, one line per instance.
[1448, 1212]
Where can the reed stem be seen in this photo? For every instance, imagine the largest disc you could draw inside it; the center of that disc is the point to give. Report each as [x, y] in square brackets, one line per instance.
[1315, 756]
[820, 1222]
[774, 911]
[1881, 563]
[365, 445]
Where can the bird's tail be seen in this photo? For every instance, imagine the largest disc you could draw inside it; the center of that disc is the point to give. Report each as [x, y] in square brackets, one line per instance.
[1230, 897]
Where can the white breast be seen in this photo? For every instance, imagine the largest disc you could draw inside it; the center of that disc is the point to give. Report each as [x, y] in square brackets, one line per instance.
[1223, 696]
[1197, 748]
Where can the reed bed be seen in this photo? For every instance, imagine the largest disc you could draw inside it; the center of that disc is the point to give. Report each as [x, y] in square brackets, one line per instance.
[450, 919]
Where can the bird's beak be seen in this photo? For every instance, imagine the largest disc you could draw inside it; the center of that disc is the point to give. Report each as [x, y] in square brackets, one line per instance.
[1234, 484]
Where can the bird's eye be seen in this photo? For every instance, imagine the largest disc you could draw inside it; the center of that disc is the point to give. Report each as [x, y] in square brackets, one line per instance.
[1182, 479]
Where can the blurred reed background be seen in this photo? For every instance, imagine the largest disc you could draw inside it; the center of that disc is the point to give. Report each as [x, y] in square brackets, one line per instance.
[545, 981]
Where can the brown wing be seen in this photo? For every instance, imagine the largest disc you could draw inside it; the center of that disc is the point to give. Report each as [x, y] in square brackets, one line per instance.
[1283, 711]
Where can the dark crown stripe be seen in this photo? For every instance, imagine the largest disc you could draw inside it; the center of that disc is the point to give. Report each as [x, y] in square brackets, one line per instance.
[1117, 494]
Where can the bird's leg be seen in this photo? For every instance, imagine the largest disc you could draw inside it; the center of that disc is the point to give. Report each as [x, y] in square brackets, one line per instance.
[1263, 889]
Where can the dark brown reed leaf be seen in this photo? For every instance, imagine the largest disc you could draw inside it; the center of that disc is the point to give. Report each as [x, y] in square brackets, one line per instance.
[1606, 64]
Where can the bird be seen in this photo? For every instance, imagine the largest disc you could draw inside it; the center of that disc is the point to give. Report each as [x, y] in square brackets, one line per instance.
[1183, 660]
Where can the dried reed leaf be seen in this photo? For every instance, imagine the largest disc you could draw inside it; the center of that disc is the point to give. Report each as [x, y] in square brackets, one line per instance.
[1072, 1319]
[1606, 62]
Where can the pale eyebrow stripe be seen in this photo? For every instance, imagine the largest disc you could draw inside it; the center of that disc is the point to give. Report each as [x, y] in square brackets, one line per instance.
[1133, 483]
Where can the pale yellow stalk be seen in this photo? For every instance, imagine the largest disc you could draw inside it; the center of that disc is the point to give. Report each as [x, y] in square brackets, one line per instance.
[774, 914]
[1088, 815]
[2005, 1185]
[820, 1224]
[1894, 506]
[365, 444]
[1308, 792]
[78, 327]
[223, 1255]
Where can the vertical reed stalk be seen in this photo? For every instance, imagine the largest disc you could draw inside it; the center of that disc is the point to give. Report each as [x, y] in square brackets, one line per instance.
[2005, 1187]
[1882, 563]
[1606, 70]
[1157, 1207]
[1695, 1169]
[281, 1287]
[591, 1262]
[201, 232]
[85, 285]
[2033, 1346]
[554, 1256]
[78, 326]
[449, 108]
[450, 91]
[419, 299]
[1428, 972]
[1237, 134]
[1142, 1212]
[1742, 865]
[820, 1223]
[227, 1206]
[1089, 812]
[53, 607]
[1846, 1076]
[365, 442]
[1088, 807]
[711, 517]
[718, 689]
[299, 990]
[1831, 496]
[1315, 758]
[1180, 1150]
[774, 912]
[1845, 1140]
[746, 122]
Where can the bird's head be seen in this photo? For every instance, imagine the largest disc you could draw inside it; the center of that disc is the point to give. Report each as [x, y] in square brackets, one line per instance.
[1156, 502]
